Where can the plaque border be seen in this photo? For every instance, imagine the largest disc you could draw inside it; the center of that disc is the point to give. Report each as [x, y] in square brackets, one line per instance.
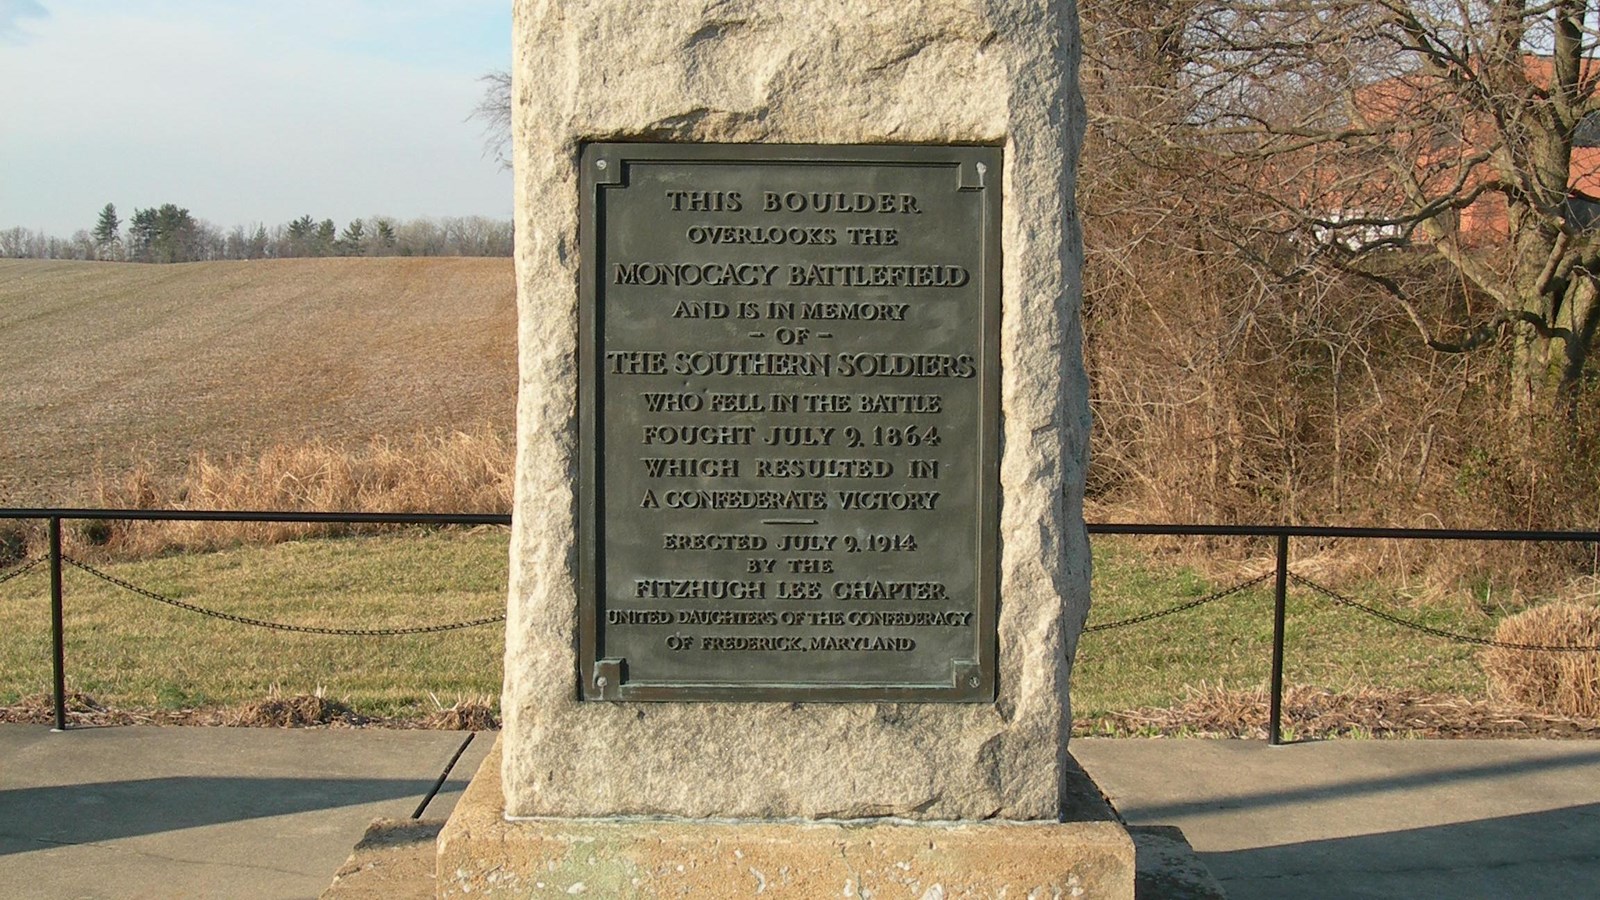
[601, 166]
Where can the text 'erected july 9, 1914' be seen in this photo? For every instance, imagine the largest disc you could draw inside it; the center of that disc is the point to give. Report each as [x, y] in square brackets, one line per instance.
[789, 423]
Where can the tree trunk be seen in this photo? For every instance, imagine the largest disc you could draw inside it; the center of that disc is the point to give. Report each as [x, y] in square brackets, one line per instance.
[1533, 389]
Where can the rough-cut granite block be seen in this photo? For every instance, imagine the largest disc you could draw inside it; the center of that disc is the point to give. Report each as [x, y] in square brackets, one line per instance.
[481, 853]
[803, 71]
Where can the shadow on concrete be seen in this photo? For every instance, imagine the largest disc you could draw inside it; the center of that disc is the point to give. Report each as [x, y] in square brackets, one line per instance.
[1269, 795]
[37, 818]
[1553, 854]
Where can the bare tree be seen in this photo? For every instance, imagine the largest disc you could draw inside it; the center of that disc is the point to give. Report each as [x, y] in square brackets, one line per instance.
[494, 111]
[1388, 139]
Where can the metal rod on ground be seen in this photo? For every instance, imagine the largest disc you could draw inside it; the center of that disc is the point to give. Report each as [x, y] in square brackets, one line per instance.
[60, 657]
[1280, 590]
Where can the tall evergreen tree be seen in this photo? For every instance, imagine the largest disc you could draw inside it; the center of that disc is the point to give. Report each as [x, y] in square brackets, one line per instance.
[354, 239]
[165, 235]
[302, 234]
[141, 235]
[386, 237]
[327, 235]
[108, 230]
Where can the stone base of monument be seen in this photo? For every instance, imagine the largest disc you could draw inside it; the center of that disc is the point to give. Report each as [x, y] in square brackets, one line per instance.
[394, 860]
[481, 852]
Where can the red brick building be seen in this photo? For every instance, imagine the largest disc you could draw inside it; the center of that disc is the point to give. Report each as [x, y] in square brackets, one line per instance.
[1465, 157]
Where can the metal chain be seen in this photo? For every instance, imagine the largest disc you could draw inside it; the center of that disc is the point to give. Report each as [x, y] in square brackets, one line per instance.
[1339, 598]
[1121, 623]
[1180, 608]
[279, 626]
[21, 567]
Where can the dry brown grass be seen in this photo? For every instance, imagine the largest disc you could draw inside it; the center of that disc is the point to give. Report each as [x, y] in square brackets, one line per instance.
[1563, 683]
[297, 711]
[462, 471]
[466, 714]
[85, 711]
[275, 711]
[1313, 712]
[15, 538]
[39, 709]
[116, 365]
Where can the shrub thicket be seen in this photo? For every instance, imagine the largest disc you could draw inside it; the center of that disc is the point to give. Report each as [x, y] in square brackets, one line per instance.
[429, 472]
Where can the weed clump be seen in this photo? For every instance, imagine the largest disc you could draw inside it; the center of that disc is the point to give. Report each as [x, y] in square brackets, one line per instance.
[1566, 683]
[296, 711]
[39, 709]
[463, 715]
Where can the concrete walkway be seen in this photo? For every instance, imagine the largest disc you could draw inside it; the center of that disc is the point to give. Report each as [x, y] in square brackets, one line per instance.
[1369, 818]
[207, 812]
[234, 812]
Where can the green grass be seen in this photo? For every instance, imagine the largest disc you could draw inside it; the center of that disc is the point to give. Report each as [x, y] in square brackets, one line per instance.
[1229, 642]
[132, 652]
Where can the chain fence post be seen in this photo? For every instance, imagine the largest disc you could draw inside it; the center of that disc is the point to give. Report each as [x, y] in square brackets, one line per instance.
[59, 657]
[1280, 590]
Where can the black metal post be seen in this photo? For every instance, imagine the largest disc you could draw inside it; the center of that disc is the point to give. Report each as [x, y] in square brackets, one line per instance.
[1280, 591]
[60, 657]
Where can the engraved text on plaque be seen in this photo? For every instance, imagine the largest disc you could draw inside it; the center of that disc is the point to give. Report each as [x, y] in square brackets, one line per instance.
[789, 422]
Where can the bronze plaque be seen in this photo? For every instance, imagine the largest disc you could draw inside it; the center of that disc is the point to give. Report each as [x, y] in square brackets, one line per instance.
[789, 426]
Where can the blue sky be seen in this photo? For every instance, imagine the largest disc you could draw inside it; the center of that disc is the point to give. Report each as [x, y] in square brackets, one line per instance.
[247, 112]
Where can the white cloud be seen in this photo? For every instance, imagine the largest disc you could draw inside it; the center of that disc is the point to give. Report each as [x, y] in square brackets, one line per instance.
[12, 15]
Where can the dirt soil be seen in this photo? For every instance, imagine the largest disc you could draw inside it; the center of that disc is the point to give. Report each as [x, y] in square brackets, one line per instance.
[297, 711]
[1309, 713]
[111, 363]
[1317, 713]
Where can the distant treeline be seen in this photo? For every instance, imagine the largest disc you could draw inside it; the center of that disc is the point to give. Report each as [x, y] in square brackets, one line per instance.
[169, 233]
